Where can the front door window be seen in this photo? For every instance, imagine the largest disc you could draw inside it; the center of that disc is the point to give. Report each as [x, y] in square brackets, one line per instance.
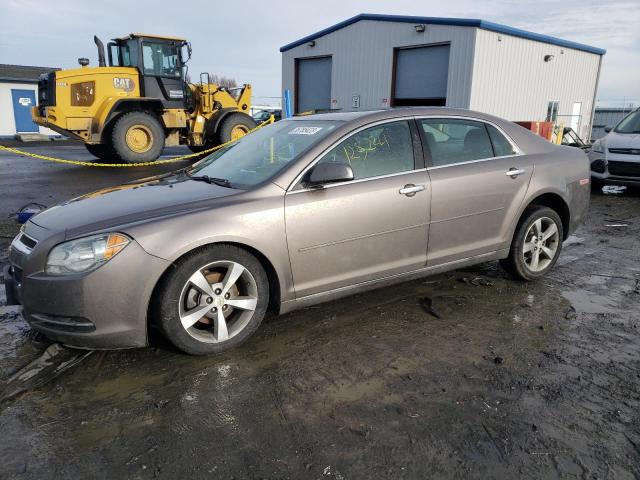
[381, 150]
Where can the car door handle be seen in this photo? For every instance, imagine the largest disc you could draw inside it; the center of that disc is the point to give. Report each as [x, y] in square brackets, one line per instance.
[410, 189]
[514, 172]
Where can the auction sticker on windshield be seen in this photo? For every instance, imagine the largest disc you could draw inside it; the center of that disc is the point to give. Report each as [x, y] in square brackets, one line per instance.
[305, 130]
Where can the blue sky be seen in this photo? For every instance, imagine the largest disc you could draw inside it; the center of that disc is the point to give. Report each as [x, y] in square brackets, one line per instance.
[241, 39]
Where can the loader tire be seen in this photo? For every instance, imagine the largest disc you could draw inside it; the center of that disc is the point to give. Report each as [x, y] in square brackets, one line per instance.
[101, 151]
[200, 148]
[235, 126]
[137, 137]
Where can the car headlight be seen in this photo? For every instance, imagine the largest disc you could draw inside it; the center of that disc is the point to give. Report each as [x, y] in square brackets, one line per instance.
[597, 147]
[85, 254]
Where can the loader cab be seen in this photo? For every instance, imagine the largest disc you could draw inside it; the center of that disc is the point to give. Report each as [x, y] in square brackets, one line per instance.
[160, 62]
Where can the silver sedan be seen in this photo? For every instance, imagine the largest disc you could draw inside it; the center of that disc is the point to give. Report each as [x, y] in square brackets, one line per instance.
[303, 211]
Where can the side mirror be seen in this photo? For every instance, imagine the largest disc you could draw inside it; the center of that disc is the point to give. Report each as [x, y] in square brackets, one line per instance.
[608, 128]
[329, 172]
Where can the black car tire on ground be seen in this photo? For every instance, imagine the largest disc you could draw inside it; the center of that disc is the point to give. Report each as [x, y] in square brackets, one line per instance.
[234, 120]
[166, 302]
[137, 137]
[596, 185]
[515, 264]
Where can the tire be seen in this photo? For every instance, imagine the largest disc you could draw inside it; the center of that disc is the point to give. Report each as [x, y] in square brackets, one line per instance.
[596, 185]
[197, 148]
[137, 137]
[520, 263]
[201, 148]
[231, 126]
[180, 302]
[102, 151]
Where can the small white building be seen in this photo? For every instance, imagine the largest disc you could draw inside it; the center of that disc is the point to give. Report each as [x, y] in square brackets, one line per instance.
[379, 61]
[18, 93]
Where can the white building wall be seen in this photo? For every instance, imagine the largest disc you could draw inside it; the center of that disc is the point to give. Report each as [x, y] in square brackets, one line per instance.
[7, 120]
[512, 80]
[362, 61]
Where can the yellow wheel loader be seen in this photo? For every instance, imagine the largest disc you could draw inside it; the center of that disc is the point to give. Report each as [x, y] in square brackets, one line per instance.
[141, 102]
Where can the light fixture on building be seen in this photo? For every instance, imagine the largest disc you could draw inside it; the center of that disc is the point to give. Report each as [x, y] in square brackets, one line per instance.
[312, 43]
[548, 58]
[419, 28]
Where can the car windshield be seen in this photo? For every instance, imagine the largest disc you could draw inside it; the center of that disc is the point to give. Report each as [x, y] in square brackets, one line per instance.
[629, 124]
[260, 155]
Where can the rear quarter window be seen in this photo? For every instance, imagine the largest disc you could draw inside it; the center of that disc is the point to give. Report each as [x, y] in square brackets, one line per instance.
[501, 146]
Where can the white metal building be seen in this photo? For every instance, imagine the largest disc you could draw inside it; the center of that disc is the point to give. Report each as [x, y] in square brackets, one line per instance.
[379, 61]
[18, 93]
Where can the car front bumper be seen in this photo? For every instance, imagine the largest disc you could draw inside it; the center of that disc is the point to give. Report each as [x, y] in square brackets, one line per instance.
[103, 309]
[615, 169]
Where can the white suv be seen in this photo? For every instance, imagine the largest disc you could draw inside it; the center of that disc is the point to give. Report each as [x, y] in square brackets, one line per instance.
[615, 158]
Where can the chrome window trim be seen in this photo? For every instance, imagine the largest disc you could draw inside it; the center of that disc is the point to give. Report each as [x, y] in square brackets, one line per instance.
[472, 161]
[518, 151]
[351, 182]
[298, 178]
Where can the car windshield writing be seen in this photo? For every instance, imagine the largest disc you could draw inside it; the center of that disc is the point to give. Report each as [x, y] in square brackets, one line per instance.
[260, 155]
[630, 124]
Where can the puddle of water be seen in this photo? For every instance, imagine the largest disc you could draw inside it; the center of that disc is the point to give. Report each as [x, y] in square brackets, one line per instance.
[20, 344]
[53, 361]
[588, 302]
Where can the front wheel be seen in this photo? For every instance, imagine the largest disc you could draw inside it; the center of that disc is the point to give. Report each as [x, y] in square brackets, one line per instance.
[212, 300]
[102, 151]
[137, 137]
[536, 244]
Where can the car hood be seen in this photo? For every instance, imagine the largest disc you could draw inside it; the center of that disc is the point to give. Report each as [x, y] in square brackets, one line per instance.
[622, 140]
[144, 200]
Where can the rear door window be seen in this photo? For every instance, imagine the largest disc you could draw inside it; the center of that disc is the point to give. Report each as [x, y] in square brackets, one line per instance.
[451, 141]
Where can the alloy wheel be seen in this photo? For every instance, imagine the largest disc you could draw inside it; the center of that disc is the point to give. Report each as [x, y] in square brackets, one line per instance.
[541, 244]
[218, 301]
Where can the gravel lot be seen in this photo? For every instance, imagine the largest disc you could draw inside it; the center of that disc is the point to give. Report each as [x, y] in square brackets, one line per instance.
[514, 380]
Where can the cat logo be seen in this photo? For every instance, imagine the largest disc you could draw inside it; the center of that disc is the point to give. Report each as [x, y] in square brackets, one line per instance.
[125, 84]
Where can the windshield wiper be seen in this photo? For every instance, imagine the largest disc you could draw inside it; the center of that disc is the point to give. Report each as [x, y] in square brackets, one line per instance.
[222, 182]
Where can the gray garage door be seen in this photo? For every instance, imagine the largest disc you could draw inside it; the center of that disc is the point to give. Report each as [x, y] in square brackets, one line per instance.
[314, 84]
[421, 76]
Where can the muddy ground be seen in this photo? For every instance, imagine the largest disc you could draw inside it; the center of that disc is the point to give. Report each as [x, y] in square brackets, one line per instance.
[514, 380]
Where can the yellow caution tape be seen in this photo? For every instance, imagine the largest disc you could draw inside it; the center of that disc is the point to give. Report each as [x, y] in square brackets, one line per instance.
[142, 164]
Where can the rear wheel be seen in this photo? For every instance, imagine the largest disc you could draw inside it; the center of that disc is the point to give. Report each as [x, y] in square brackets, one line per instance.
[235, 126]
[536, 244]
[200, 148]
[137, 137]
[596, 185]
[213, 300]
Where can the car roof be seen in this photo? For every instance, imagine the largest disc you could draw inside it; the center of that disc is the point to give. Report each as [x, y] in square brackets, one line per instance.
[390, 113]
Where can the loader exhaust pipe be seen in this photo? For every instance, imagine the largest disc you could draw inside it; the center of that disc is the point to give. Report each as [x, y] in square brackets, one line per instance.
[100, 45]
